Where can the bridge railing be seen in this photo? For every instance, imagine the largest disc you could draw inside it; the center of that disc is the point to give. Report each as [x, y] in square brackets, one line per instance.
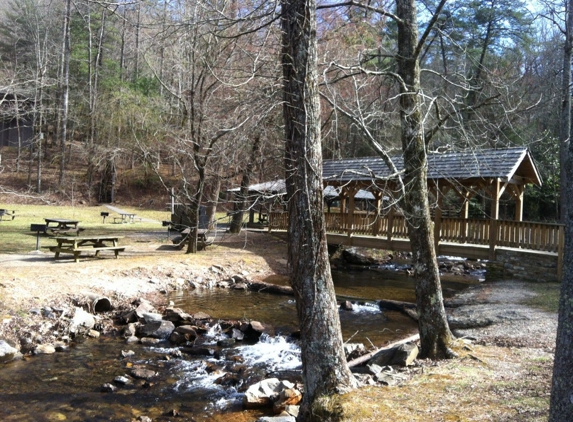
[514, 234]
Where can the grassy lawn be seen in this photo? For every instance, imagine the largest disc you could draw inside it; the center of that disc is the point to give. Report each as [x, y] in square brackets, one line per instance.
[16, 237]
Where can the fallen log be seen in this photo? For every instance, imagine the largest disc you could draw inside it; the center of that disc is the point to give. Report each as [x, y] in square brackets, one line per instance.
[406, 308]
[364, 358]
[259, 286]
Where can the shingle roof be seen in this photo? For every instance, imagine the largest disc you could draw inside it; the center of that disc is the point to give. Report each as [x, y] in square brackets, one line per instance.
[504, 164]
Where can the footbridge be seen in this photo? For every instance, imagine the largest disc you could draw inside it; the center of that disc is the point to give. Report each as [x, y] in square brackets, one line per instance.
[513, 249]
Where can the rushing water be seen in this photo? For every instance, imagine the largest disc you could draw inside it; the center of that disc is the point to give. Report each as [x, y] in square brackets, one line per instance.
[67, 386]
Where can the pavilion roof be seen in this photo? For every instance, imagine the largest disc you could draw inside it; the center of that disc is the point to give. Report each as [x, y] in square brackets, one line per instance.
[514, 165]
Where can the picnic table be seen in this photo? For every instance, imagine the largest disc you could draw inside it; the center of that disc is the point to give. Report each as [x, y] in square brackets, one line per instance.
[62, 226]
[79, 245]
[203, 239]
[6, 214]
[125, 217]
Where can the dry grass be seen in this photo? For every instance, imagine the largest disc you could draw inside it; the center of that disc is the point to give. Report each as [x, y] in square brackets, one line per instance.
[484, 384]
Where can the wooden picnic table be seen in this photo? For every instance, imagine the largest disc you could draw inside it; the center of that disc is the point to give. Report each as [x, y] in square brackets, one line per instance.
[203, 240]
[62, 225]
[82, 244]
[125, 217]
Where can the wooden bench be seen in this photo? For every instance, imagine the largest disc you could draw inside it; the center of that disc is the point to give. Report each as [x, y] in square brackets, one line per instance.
[76, 252]
[77, 230]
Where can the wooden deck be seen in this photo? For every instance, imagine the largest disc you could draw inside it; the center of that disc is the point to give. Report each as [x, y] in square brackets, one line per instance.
[471, 238]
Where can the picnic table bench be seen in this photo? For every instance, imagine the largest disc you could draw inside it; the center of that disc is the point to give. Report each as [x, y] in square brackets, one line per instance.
[63, 226]
[78, 245]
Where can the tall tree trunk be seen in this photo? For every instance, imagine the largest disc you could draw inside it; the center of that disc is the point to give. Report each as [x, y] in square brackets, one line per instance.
[325, 370]
[65, 75]
[565, 123]
[240, 203]
[561, 405]
[435, 335]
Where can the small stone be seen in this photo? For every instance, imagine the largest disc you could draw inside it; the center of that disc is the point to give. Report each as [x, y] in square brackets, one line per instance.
[148, 341]
[123, 380]
[142, 373]
[93, 333]
[44, 349]
[108, 388]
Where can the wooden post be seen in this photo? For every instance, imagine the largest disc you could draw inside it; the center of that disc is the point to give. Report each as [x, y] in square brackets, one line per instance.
[493, 238]
[351, 208]
[438, 217]
[495, 193]
[464, 222]
[390, 222]
[518, 193]
[378, 195]
[342, 197]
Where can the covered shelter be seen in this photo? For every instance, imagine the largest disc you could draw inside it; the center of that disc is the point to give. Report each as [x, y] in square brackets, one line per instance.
[493, 171]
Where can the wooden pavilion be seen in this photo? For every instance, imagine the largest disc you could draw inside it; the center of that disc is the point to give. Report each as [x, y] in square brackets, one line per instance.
[495, 172]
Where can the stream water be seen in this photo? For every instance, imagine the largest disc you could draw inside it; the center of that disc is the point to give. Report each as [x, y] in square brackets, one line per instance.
[67, 386]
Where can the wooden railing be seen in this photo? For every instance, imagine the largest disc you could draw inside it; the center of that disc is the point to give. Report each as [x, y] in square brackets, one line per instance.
[513, 234]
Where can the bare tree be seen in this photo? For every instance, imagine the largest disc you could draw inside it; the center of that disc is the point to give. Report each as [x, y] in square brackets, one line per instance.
[561, 405]
[415, 132]
[325, 371]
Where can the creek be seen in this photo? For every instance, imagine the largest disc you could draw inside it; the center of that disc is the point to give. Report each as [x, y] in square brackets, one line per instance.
[67, 386]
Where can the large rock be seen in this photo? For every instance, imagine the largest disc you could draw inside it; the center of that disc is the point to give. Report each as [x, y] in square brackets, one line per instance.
[401, 355]
[143, 307]
[266, 392]
[157, 329]
[82, 321]
[260, 394]
[287, 397]
[7, 352]
[176, 315]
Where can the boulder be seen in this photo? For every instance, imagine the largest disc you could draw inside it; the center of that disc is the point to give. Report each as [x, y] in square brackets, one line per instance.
[151, 317]
[82, 321]
[143, 307]
[267, 392]
[157, 329]
[7, 352]
[253, 330]
[287, 397]
[188, 331]
[176, 316]
[401, 355]
[262, 393]
[277, 419]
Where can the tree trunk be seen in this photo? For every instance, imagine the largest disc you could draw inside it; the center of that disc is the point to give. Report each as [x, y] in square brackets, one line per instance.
[561, 405]
[435, 335]
[240, 203]
[325, 370]
[65, 75]
[565, 122]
